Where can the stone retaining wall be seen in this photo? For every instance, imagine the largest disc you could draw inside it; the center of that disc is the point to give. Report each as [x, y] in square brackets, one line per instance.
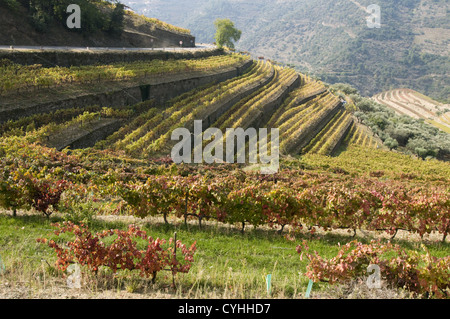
[161, 92]
[83, 57]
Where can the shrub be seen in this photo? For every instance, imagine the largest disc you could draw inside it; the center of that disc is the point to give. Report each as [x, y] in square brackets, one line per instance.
[422, 274]
[391, 143]
[90, 250]
[45, 195]
[76, 206]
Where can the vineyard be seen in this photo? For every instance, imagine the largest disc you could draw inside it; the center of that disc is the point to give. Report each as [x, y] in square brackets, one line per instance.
[265, 95]
[19, 78]
[336, 184]
[358, 135]
[411, 103]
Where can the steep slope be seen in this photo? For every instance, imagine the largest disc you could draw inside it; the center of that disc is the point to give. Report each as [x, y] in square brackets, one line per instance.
[331, 39]
[236, 92]
[20, 28]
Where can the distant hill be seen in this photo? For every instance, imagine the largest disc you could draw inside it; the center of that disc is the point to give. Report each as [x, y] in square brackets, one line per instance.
[101, 25]
[330, 38]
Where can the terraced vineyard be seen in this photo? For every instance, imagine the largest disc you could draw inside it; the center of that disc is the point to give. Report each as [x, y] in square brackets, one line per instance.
[358, 135]
[411, 103]
[265, 96]
[254, 110]
[154, 136]
[309, 117]
[18, 78]
[300, 124]
[327, 140]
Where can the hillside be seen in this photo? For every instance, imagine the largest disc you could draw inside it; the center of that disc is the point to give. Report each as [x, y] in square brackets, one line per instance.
[403, 126]
[223, 90]
[330, 39]
[261, 94]
[88, 182]
[411, 103]
[24, 26]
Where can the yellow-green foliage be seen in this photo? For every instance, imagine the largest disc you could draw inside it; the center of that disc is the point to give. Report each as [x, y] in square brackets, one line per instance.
[363, 161]
[160, 24]
[15, 77]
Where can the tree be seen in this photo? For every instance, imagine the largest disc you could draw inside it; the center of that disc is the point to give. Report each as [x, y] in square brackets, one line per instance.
[226, 33]
[41, 14]
[344, 87]
[117, 19]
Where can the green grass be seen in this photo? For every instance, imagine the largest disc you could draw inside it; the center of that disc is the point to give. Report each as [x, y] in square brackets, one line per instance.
[227, 264]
